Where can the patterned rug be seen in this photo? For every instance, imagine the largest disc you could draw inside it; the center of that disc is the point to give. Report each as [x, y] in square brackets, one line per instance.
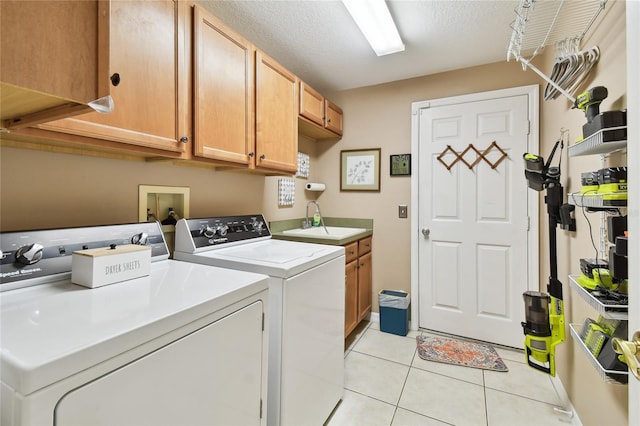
[459, 352]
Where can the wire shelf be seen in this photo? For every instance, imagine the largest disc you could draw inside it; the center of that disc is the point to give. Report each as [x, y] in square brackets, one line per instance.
[612, 377]
[617, 312]
[598, 201]
[599, 142]
[539, 23]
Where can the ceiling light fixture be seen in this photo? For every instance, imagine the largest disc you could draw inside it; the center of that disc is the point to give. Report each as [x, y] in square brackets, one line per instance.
[375, 22]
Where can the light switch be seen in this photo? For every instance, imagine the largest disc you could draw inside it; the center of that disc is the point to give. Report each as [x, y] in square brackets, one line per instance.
[402, 211]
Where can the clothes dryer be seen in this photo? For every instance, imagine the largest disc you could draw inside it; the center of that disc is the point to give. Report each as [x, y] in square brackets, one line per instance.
[184, 345]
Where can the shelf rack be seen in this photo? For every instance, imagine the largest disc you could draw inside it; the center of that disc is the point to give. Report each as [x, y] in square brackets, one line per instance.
[617, 312]
[612, 377]
[597, 201]
[539, 23]
[598, 143]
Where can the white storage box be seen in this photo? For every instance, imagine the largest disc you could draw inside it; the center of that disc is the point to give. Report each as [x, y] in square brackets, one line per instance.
[108, 265]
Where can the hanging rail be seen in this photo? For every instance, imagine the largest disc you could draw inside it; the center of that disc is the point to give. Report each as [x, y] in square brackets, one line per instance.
[539, 23]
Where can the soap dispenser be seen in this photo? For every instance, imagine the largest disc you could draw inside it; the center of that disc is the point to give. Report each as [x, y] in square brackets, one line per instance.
[316, 219]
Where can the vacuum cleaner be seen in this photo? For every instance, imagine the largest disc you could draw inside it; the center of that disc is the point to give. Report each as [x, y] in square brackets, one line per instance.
[544, 327]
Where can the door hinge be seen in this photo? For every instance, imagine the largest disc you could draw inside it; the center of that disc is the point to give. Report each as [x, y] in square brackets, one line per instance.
[263, 321]
[260, 407]
[528, 223]
[528, 127]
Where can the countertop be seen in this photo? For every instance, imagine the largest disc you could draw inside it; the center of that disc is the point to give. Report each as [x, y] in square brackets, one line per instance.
[277, 228]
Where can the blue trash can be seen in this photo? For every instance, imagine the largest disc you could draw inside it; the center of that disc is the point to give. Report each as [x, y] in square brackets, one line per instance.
[394, 311]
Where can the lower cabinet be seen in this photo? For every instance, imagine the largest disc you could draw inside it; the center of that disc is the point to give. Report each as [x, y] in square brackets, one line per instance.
[358, 283]
[351, 296]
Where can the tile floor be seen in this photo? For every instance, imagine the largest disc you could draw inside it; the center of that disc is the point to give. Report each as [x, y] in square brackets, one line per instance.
[387, 383]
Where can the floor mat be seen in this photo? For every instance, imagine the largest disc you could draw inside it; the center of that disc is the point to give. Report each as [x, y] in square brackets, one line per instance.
[459, 352]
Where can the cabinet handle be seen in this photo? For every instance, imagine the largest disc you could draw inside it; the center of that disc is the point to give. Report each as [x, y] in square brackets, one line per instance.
[262, 157]
[352, 252]
[184, 139]
[115, 79]
[251, 154]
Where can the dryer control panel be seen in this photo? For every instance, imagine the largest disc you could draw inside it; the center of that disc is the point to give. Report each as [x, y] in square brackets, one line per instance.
[45, 254]
[192, 234]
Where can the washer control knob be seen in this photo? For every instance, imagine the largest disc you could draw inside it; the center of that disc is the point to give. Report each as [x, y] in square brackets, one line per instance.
[222, 230]
[29, 254]
[208, 231]
[257, 226]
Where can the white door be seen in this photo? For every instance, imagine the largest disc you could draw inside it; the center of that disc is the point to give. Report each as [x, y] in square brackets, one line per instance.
[473, 214]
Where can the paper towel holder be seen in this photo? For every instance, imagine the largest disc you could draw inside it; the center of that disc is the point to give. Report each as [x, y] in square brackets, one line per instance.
[315, 186]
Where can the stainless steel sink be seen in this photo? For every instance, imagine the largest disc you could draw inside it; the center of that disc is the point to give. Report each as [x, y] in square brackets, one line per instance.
[335, 232]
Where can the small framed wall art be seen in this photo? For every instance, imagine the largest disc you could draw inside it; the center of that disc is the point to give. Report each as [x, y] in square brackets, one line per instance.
[360, 170]
[400, 165]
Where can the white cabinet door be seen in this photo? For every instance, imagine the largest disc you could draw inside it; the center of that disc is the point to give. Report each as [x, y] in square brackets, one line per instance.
[212, 376]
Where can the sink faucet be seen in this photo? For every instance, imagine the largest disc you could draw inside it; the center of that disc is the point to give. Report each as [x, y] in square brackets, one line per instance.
[307, 224]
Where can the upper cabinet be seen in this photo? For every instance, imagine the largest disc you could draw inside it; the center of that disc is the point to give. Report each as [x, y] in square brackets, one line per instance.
[245, 103]
[148, 59]
[52, 61]
[319, 117]
[333, 117]
[276, 116]
[223, 92]
[311, 104]
[185, 86]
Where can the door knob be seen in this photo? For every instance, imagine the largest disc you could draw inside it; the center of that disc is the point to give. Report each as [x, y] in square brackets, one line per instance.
[426, 231]
[631, 352]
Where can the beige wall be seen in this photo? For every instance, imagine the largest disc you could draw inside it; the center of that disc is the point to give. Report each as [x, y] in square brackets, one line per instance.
[380, 117]
[41, 189]
[44, 190]
[578, 376]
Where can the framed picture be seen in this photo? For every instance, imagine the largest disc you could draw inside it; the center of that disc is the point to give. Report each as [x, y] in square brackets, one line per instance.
[360, 170]
[400, 165]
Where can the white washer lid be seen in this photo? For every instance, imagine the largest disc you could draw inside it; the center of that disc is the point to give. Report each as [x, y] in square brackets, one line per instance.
[52, 331]
[276, 258]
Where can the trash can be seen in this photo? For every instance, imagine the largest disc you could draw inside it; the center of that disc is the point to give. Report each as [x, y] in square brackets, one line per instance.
[394, 311]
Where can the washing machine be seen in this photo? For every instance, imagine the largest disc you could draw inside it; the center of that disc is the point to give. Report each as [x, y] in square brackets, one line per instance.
[186, 344]
[306, 318]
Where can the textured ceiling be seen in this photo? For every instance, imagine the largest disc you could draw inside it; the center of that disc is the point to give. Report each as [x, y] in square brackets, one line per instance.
[319, 42]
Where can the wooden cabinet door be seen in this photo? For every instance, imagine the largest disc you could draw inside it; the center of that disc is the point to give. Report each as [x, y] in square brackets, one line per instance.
[351, 297]
[333, 117]
[53, 59]
[223, 91]
[276, 116]
[147, 51]
[311, 104]
[351, 252]
[364, 285]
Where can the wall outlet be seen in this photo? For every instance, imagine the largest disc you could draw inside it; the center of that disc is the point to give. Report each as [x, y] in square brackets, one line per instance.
[402, 211]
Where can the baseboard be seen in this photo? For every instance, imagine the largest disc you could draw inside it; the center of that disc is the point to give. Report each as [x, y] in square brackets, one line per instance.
[567, 410]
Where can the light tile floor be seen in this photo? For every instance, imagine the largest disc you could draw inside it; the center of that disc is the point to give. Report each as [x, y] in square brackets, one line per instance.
[387, 383]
